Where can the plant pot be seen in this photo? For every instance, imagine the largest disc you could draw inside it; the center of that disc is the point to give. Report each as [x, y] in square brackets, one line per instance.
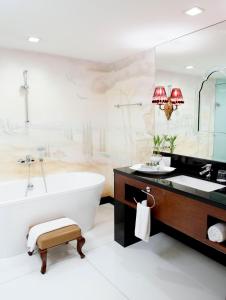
[156, 159]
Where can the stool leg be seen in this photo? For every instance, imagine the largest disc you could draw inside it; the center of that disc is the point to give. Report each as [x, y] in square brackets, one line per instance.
[43, 254]
[80, 243]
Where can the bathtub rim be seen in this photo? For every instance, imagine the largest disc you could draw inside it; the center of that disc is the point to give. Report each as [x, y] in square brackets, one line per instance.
[30, 198]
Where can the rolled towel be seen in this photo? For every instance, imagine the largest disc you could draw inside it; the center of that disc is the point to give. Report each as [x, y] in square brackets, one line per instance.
[217, 233]
[143, 221]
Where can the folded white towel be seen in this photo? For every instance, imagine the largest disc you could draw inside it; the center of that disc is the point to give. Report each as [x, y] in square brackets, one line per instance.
[39, 229]
[143, 221]
[217, 233]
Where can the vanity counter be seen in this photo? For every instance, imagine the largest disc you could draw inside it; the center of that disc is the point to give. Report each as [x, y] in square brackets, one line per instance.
[183, 212]
[216, 198]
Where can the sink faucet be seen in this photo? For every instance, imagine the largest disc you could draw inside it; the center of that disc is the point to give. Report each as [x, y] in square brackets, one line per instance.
[206, 170]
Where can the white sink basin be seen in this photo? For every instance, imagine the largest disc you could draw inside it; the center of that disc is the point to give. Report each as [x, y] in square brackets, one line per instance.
[195, 183]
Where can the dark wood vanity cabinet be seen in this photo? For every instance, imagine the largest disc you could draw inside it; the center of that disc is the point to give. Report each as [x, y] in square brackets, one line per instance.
[184, 214]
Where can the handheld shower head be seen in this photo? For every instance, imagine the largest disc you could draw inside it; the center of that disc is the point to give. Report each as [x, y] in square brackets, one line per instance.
[25, 86]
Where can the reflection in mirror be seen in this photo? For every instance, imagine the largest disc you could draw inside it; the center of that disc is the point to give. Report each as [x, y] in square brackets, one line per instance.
[185, 63]
[215, 84]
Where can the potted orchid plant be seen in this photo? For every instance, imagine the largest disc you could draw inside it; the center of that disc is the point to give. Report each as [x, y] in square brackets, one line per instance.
[162, 143]
[171, 139]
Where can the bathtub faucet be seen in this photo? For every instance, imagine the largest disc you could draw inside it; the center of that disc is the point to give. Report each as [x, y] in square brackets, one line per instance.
[41, 160]
[41, 153]
[28, 161]
[30, 186]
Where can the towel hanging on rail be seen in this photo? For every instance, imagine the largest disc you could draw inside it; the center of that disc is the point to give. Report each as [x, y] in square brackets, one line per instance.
[143, 221]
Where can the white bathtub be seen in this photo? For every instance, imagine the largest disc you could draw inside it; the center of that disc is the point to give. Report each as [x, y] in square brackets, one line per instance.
[74, 195]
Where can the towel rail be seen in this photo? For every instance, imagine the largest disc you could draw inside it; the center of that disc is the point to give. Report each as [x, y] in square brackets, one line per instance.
[149, 194]
[128, 104]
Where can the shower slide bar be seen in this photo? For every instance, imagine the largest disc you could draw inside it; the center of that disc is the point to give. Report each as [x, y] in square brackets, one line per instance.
[25, 86]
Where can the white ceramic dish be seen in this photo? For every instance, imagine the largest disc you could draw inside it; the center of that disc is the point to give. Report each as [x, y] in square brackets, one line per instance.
[159, 170]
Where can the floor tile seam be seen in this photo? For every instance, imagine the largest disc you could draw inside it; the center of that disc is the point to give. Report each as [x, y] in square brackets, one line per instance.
[95, 248]
[62, 261]
[33, 271]
[107, 279]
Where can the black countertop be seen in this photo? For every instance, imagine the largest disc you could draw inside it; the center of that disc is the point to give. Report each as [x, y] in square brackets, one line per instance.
[216, 198]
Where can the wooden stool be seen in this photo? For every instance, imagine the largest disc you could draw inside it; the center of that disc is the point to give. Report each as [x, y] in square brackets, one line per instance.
[58, 237]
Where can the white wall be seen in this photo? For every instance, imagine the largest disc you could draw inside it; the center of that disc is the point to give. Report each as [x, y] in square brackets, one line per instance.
[72, 114]
[66, 112]
[130, 127]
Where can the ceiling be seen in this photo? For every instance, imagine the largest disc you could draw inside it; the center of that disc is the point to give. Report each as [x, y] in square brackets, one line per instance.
[100, 30]
[205, 50]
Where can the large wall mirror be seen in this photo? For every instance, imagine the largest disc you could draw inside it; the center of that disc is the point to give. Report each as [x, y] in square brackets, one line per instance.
[196, 63]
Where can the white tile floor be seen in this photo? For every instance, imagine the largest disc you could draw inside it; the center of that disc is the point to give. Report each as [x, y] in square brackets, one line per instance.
[161, 269]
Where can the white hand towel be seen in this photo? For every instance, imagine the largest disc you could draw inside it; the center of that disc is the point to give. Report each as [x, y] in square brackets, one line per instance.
[217, 233]
[39, 229]
[143, 221]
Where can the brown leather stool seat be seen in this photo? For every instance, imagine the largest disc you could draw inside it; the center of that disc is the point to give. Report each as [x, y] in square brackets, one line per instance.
[58, 237]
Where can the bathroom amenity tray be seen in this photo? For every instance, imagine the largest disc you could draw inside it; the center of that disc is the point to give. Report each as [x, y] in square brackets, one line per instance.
[160, 170]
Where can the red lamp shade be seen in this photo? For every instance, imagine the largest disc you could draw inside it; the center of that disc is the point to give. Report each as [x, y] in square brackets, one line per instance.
[176, 96]
[159, 96]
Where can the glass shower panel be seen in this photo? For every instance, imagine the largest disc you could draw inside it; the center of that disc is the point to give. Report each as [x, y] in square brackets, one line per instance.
[219, 151]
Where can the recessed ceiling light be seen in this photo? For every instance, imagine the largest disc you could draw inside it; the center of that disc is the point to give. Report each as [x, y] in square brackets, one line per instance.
[194, 11]
[33, 39]
[189, 67]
